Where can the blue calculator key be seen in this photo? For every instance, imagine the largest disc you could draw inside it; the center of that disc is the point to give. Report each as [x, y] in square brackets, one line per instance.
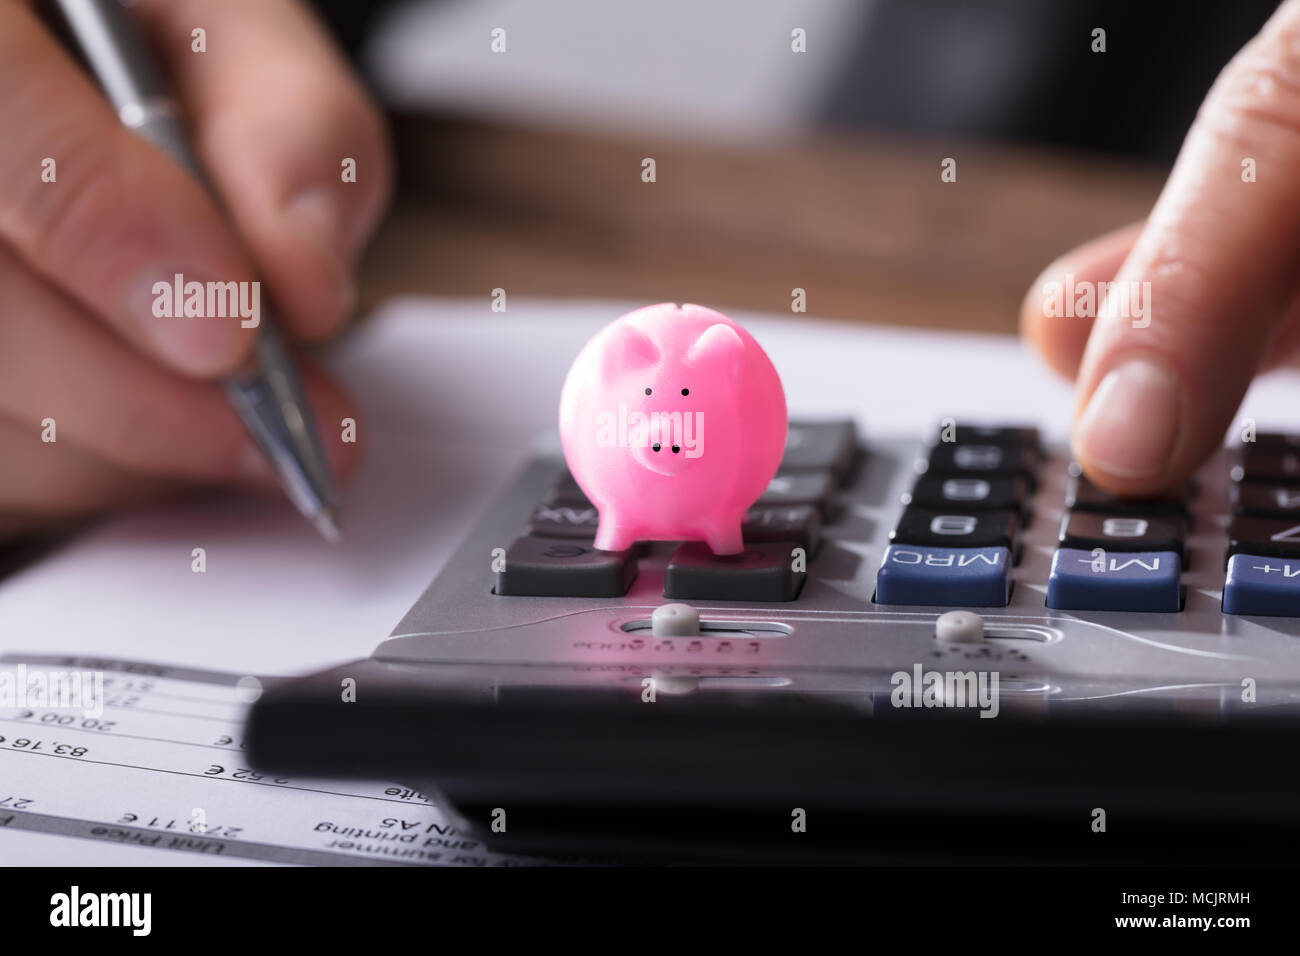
[1114, 581]
[949, 577]
[1262, 585]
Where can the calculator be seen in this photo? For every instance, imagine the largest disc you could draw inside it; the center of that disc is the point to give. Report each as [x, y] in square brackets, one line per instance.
[940, 647]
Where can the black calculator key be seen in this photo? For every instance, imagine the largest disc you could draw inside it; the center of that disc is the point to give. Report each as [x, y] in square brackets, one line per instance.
[990, 493]
[798, 488]
[830, 445]
[1082, 495]
[548, 567]
[1267, 464]
[764, 571]
[1086, 531]
[1272, 537]
[946, 529]
[564, 521]
[1276, 441]
[565, 491]
[800, 523]
[1265, 500]
[981, 460]
[1025, 436]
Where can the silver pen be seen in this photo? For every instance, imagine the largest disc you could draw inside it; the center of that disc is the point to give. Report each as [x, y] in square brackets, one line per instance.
[267, 391]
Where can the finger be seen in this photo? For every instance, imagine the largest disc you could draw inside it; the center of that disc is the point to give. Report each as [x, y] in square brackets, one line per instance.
[1216, 268]
[47, 480]
[1055, 317]
[57, 364]
[277, 113]
[118, 215]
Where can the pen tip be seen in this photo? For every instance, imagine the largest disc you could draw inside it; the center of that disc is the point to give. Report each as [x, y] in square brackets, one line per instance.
[327, 523]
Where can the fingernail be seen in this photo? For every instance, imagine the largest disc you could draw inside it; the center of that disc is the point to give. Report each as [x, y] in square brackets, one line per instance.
[317, 217]
[1130, 424]
[156, 301]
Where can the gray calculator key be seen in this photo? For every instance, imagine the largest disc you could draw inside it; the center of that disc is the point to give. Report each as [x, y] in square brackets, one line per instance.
[549, 567]
[1265, 500]
[799, 488]
[800, 523]
[763, 572]
[566, 492]
[564, 521]
[829, 445]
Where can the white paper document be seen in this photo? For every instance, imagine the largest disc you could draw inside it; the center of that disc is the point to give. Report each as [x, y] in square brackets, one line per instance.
[147, 765]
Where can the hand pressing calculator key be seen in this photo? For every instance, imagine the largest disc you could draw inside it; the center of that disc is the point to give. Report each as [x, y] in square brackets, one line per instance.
[662, 701]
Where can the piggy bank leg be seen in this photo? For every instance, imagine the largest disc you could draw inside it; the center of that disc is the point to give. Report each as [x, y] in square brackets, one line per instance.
[724, 538]
[613, 534]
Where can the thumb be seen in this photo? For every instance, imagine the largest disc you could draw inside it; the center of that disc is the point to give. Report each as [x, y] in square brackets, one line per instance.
[1186, 323]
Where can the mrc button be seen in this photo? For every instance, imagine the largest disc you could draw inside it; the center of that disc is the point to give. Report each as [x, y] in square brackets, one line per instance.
[1258, 584]
[1115, 581]
[962, 577]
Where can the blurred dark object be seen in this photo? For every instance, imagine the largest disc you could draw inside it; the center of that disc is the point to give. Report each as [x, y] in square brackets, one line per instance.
[350, 20]
[1024, 70]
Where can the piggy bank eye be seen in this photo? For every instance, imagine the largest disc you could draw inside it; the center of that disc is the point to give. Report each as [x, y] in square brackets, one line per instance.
[686, 391]
[647, 391]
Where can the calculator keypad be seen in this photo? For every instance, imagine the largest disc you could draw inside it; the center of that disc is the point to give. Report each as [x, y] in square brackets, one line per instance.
[956, 535]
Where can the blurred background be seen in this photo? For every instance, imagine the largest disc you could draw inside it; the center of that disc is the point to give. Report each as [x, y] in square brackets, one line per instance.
[777, 169]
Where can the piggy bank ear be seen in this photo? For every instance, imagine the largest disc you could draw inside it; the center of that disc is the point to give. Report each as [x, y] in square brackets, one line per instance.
[630, 349]
[718, 354]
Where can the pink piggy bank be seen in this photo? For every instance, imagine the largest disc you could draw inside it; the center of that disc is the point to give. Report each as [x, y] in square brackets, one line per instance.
[673, 422]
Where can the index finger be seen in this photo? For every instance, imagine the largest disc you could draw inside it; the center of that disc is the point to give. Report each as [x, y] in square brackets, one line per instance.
[1193, 308]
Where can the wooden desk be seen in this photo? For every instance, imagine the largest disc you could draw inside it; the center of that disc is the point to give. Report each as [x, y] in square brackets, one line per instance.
[865, 226]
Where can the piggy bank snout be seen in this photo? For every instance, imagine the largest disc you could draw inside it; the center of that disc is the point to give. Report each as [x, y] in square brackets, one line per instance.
[667, 442]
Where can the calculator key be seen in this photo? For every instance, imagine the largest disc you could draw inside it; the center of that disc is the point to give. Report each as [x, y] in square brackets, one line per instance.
[981, 460]
[1082, 495]
[991, 493]
[1024, 435]
[565, 491]
[799, 523]
[1259, 584]
[548, 567]
[1114, 581]
[1264, 536]
[947, 577]
[763, 572]
[1112, 532]
[1266, 464]
[1265, 500]
[942, 529]
[564, 521]
[1276, 441]
[831, 445]
[799, 488]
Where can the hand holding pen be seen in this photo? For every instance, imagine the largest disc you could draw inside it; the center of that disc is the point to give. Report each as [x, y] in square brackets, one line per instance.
[104, 398]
